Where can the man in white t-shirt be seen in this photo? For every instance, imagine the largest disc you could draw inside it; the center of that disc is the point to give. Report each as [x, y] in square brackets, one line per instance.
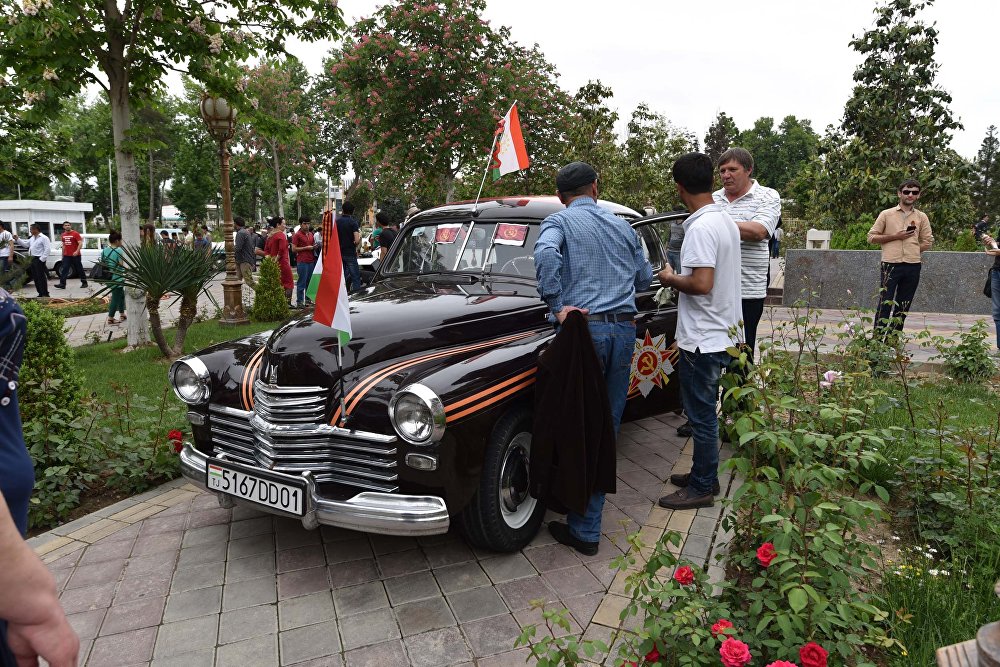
[756, 210]
[6, 246]
[708, 315]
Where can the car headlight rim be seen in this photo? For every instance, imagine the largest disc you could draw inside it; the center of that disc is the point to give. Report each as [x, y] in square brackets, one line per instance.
[435, 421]
[191, 369]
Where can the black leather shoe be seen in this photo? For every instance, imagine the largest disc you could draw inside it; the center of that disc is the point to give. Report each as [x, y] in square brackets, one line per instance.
[560, 531]
[683, 500]
[681, 480]
[684, 430]
[59, 286]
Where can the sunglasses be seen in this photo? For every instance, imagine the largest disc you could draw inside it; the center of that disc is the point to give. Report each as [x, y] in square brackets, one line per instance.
[910, 192]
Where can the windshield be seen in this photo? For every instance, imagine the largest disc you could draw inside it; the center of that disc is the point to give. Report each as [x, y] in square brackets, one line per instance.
[468, 247]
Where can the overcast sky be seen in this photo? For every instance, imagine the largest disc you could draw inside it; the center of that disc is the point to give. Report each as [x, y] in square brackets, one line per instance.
[689, 60]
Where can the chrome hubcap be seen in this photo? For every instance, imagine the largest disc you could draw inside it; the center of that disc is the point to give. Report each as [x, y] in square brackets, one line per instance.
[516, 503]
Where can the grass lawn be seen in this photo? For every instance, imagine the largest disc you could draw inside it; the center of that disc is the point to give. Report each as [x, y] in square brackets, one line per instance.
[145, 370]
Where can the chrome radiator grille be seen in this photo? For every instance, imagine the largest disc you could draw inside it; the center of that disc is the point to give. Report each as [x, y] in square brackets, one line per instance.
[287, 433]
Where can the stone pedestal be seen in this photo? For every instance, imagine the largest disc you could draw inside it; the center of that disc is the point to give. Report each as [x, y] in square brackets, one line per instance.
[988, 645]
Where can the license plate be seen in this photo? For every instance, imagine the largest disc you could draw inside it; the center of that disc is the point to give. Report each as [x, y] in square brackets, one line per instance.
[259, 489]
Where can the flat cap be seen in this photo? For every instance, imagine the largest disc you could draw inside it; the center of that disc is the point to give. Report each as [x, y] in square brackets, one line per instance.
[575, 175]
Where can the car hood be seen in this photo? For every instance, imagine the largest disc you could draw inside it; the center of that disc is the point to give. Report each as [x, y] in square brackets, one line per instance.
[400, 317]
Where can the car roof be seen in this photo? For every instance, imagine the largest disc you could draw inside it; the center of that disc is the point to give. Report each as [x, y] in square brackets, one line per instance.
[515, 207]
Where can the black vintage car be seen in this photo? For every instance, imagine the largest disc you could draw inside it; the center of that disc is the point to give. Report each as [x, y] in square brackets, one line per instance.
[426, 419]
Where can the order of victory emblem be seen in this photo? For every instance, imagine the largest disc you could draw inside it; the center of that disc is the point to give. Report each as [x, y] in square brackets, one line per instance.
[651, 364]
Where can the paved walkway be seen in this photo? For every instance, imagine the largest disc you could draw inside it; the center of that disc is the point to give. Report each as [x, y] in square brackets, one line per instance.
[170, 578]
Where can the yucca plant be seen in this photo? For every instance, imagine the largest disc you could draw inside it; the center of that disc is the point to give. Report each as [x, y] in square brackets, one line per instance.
[159, 271]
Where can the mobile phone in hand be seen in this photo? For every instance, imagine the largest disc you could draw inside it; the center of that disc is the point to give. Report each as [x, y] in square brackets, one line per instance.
[911, 228]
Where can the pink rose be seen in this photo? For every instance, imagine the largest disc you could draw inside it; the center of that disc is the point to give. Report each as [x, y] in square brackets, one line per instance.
[813, 655]
[734, 653]
[718, 630]
[782, 663]
[766, 553]
[684, 576]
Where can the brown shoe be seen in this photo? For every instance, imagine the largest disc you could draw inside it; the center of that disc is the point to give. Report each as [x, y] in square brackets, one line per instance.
[682, 481]
[683, 500]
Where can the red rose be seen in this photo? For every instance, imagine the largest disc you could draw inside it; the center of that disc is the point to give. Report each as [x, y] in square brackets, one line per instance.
[813, 655]
[782, 663]
[178, 446]
[175, 435]
[720, 626]
[734, 653]
[766, 553]
[684, 576]
[653, 655]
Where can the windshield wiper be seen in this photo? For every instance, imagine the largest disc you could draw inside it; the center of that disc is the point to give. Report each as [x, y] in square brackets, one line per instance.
[452, 278]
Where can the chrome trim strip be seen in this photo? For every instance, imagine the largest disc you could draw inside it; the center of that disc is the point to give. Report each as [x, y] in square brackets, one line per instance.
[303, 429]
[385, 513]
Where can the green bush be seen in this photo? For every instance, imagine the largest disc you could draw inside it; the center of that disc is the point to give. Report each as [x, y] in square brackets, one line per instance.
[966, 242]
[970, 359]
[853, 236]
[270, 303]
[47, 374]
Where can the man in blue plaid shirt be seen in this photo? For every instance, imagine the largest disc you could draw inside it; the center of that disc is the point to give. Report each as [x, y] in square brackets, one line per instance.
[590, 260]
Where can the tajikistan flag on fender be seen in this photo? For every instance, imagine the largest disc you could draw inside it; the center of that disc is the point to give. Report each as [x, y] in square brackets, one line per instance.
[509, 153]
[327, 288]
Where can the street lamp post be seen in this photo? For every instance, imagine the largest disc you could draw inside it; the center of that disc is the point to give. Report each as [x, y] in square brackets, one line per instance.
[220, 118]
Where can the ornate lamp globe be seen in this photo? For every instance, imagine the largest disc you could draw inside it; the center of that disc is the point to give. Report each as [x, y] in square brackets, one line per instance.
[219, 115]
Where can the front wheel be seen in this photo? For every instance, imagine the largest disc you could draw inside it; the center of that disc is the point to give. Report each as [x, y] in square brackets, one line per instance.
[503, 516]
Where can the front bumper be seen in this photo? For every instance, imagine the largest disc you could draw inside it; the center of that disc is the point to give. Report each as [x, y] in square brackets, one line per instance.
[386, 513]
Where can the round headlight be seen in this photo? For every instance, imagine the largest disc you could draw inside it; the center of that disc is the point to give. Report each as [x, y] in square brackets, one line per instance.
[190, 380]
[417, 414]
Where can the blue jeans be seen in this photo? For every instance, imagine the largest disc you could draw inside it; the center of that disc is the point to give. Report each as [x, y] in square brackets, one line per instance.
[352, 272]
[995, 286]
[305, 271]
[674, 259]
[699, 374]
[614, 343]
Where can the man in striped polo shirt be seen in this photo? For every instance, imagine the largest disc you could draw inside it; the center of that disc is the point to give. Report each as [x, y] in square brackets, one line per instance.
[756, 210]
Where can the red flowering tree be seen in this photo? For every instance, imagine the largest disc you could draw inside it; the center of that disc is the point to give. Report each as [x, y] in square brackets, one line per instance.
[424, 83]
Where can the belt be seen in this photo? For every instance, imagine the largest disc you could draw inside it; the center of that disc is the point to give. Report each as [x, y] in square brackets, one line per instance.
[611, 317]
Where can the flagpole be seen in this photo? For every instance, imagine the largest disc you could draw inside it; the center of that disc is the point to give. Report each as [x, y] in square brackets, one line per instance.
[483, 182]
[340, 352]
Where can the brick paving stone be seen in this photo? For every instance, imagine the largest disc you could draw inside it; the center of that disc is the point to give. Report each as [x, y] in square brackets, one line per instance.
[241, 512]
[305, 610]
[133, 616]
[203, 658]
[205, 501]
[361, 598]
[251, 546]
[519, 593]
[257, 526]
[387, 544]
[697, 547]
[508, 567]
[142, 586]
[246, 623]
[348, 550]
[437, 648]
[335, 534]
[105, 551]
[551, 557]
[306, 643]
[182, 637]
[256, 651]
[162, 563]
[703, 525]
[334, 660]
[160, 524]
[295, 536]
[126, 648]
[87, 598]
[249, 593]
[203, 553]
[87, 623]
[603, 571]
[449, 553]
[68, 561]
[424, 615]
[209, 517]
[127, 534]
[626, 496]
[203, 576]
[477, 603]
[61, 577]
[302, 582]
[252, 567]
[461, 577]
[301, 558]
[402, 562]
[573, 581]
[527, 617]
[373, 627]
[490, 636]
[638, 513]
[388, 654]
[211, 534]
[201, 602]
[109, 571]
[353, 572]
[583, 607]
[508, 659]
[156, 543]
[410, 587]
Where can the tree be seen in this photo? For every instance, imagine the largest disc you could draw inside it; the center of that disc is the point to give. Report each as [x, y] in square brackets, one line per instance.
[779, 154]
[31, 153]
[424, 85]
[591, 136]
[51, 51]
[986, 181]
[722, 134]
[896, 125]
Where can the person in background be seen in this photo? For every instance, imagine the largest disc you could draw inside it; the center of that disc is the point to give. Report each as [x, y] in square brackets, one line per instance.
[276, 246]
[207, 233]
[6, 248]
[200, 242]
[779, 234]
[188, 237]
[32, 623]
[390, 230]
[38, 249]
[674, 244]
[305, 258]
[379, 217]
[111, 257]
[991, 249]
[243, 250]
[72, 257]
[349, 234]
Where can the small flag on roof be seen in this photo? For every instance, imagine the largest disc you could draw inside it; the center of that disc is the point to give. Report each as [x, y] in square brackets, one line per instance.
[509, 153]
